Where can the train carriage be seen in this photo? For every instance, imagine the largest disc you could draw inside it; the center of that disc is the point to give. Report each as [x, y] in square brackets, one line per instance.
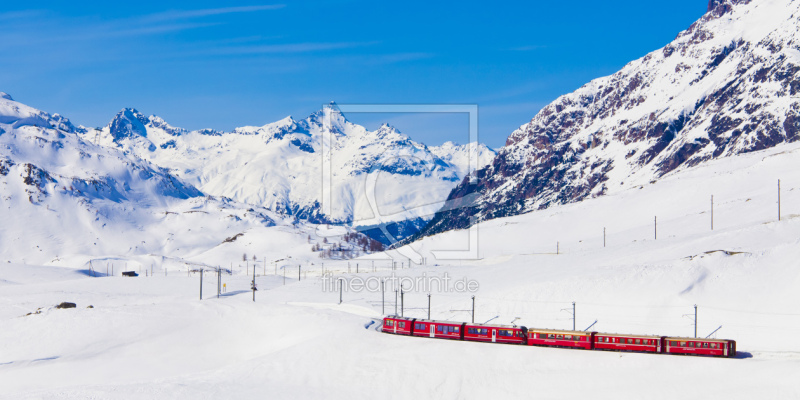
[495, 333]
[618, 342]
[438, 329]
[558, 338]
[549, 337]
[700, 347]
[398, 325]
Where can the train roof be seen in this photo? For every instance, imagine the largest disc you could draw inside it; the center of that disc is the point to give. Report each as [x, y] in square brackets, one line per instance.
[559, 332]
[628, 335]
[440, 322]
[692, 339]
[498, 326]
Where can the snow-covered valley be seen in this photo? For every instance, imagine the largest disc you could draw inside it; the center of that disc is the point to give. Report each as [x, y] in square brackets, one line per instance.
[151, 336]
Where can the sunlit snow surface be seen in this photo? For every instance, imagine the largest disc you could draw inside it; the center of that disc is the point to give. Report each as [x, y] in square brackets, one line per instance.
[151, 337]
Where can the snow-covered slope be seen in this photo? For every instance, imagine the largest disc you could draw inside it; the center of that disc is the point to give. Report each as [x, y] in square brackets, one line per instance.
[298, 341]
[727, 85]
[281, 165]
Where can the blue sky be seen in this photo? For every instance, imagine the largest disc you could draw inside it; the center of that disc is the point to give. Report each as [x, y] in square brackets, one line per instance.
[219, 65]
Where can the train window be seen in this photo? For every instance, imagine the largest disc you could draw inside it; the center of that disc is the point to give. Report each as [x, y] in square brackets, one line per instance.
[439, 328]
[551, 336]
[713, 345]
[705, 345]
[568, 337]
[471, 331]
[457, 328]
[638, 341]
[389, 323]
[673, 343]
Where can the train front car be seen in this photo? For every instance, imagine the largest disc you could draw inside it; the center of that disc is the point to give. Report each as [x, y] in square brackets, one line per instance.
[509, 334]
[557, 338]
[701, 347]
[638, 343]
[398, 325]
[438, 329]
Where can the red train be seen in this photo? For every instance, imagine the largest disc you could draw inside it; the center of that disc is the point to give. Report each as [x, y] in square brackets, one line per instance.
[558, 338]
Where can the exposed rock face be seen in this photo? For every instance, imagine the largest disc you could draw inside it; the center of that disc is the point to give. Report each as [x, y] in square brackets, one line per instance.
[727, 85]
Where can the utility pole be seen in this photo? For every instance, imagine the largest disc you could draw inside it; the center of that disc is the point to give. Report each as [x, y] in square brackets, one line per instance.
[655, 228]
[298, 272]
[473, 309]
[573, 315]
[429, 306]
[395, 302]
[201, 284]
[254, 282]
[383, 298]
[604, 237]
[340, 290]
[284, 275]
[695, 320]
[779, 199]
[401, 300]
[356, 267]
[712, 212]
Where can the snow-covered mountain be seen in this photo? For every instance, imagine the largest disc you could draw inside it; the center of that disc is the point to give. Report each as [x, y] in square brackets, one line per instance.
[729, 84]
[374, 177]
[66, 201]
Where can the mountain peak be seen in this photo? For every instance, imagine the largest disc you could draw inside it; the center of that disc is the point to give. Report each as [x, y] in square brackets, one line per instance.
[385, 129]
[720, 7]
[4, 95]
[723, 87]
[329, 113]
[127, 123]
[160, 123]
